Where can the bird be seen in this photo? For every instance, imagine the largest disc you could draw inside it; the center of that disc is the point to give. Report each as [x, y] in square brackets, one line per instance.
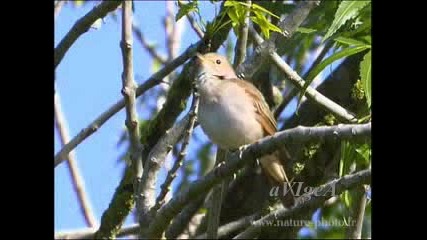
[233, 113]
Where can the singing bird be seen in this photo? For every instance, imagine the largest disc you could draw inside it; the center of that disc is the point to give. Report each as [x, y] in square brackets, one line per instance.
[234, 113]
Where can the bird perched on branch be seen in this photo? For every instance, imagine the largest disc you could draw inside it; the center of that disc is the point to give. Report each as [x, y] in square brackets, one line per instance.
[234, 113]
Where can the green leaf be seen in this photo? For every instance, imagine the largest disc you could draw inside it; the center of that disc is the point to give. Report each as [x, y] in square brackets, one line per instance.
[334, 57]
[264, 24]
[155, 65]
[305, 30]
[185, 9]
[257, 7]
[365, 76]
[364, 152]
[349, 41]
[78, 3]
[346, 10]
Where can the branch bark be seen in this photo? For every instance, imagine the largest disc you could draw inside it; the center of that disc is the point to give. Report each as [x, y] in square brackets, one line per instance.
[231, 227]
[81, 26]
[242, 40]
[148, 84]
[76, 178]
[264, 146]
[128, 89]
[311, 200]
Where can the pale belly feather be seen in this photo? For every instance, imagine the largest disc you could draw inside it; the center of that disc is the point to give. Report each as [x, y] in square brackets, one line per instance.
[228, 121]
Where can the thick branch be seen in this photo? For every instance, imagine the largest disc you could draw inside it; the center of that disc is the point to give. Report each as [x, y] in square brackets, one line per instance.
[81, 26]
[311, 200]
[264, 146]
[149, 83]
[89, 233]
[77, 179]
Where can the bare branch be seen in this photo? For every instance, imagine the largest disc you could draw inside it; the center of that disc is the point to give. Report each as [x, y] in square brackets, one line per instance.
[194, 26]
[288, 26]
[76, 178]
[89, 233]
[178, 163]
[311, 200]
[358, 209]
[150, 49]
[129, 87]
[231, 227]
[293, 92]
[182, 220]
[242, 39]
[98, 122]
[311, 93]
[253, 151]
[216, 199]
[81, 26]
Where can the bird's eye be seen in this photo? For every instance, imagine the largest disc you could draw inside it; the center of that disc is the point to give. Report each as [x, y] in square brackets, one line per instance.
[218, 61]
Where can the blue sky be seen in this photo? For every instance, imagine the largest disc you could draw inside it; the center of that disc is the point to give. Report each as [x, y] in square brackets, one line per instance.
[88, 81]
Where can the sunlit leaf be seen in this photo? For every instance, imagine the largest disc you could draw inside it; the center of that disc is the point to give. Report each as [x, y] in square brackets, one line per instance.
[346, 10]
[185, 9]
[349, 41]
[365, 76]
[305, 30]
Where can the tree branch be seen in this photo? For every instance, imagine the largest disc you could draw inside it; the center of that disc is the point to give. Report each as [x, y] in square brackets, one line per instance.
[148, 84]
[311, 93]
[288, 26]
[128, 89]
[182, 220]
[81, 26]
[263, 146]
[89, 233]
[178, 163]
[355, 232]
[242, 39]
[150, 49]
[194, 26]
[311, 200]
[77, 179]
[216, 197]
[293, 92]
[231, 227]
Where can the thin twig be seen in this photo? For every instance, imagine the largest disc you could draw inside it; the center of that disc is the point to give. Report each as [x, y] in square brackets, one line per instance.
[81, 26]
[242, 39]
[165, 187]
[98, 122]
[195, 27]
[216, 197]
[76, 178]
[236, 161]
[182, 220]
[311, 200]
[311, 93]
[231, 227]
[294, 91]
[150, 49]
[288, 27]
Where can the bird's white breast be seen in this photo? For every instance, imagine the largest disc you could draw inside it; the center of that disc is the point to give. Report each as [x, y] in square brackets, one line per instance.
[227, 114]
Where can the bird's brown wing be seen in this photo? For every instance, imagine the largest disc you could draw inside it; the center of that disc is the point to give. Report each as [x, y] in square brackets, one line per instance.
[265, 116]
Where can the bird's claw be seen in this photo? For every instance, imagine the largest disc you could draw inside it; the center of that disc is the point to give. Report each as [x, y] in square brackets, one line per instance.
[241, 149]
